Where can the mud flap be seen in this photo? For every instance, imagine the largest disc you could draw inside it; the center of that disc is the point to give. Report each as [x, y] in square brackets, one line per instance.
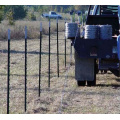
[84, 68]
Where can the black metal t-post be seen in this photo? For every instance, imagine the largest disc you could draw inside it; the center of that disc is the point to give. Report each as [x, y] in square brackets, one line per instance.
[40, 58]
[25, 68]
[49, 58]
[65, 46]
[57, 50]
[8, 75]
[71, 51]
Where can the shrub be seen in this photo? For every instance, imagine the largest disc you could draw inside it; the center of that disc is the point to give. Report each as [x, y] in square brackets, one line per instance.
[19, 12]
[10, 17]
[1, 12]
[31, 16]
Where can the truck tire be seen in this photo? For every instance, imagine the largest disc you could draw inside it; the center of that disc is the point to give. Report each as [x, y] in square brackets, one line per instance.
[81, 83]
[93, 83]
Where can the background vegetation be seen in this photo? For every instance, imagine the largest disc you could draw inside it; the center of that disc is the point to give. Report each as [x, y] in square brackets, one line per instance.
[26, 12]
[15, 17]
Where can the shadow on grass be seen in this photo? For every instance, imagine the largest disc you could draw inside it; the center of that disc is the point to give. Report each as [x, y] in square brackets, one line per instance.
[117, 79]
[29, 52]
[70, 92]
[36, 75]
[83, 92]
[114, 86]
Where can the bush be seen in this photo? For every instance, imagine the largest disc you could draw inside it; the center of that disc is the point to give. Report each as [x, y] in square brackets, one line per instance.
[10, 17]
[18, 11]
[1, 12]
[31, 16]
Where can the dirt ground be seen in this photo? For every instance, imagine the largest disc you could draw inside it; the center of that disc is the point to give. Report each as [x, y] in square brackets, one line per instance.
[63, 96]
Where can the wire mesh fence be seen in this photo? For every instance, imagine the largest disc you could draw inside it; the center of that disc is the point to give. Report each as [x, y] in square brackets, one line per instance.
[20, 95]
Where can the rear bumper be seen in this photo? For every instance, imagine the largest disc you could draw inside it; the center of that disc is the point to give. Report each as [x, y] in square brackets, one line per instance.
[95, 48]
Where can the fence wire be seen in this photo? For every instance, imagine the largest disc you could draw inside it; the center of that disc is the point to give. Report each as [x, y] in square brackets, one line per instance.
[67, 71]
[65, 82]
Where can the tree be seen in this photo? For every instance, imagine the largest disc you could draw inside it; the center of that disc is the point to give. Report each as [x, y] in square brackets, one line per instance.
[1, 12]
[55, 8]
[82, 8]
[61, 10]
[18, 11]
[31, 16]
[10, 17]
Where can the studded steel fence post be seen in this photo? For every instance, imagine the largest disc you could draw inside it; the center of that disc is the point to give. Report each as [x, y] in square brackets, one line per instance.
[71, 51]
[65, 46]
[40, 58]
[57, 50]
[49, 58]
[8, 74]
[25, 68]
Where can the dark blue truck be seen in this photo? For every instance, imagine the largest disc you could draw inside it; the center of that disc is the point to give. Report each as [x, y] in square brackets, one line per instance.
[92, 55]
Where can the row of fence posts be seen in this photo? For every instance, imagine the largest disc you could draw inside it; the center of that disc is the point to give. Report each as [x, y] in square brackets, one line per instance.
[8, 69]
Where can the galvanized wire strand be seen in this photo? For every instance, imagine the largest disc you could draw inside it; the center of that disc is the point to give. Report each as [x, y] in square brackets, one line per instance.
[98, 31]
[91, 32]
[105, 32]
[65, 84]
[94, 31]
[70, 30]
[66, 76]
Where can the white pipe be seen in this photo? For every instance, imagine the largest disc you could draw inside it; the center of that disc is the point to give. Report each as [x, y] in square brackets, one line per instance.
[71, 19]
[65, 19]
[41, 27]
[8, 34]
[118, 46]
[49, 23]
[25, 32]
[78, 19]
[94, 9]
[57, 20]
[119, 11]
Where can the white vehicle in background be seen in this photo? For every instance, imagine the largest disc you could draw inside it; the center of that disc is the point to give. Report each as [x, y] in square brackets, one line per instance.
[52, 14]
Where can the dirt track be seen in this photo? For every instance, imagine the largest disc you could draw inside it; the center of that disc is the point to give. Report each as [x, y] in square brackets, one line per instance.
[104, 98]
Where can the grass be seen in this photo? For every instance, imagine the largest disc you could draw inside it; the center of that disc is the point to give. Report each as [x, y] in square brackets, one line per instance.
[17, 71]
[17, 30]
[103, 98]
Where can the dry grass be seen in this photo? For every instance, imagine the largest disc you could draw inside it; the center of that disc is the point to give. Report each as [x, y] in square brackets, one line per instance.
[104, 98]
[17, 71]
[17, 30]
